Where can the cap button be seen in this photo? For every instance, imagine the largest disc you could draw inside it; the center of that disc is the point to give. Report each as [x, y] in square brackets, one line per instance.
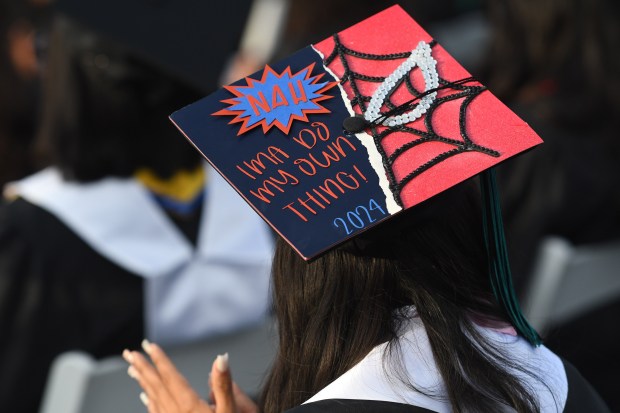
[355, 124]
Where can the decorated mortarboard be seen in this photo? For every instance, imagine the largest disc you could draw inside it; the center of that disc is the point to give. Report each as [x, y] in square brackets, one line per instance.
[353, 130]
[188, 39]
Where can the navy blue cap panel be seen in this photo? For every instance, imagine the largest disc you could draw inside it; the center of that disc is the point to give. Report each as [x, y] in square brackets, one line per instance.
[298, 179]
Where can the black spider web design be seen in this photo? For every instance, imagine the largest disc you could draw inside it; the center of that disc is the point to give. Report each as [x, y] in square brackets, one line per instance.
[462, 90]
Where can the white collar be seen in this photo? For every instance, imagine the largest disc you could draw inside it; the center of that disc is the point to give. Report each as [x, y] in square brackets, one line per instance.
[118, 218]
[368, 380]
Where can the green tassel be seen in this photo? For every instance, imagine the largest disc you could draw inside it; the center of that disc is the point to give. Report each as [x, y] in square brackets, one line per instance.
[499, 267]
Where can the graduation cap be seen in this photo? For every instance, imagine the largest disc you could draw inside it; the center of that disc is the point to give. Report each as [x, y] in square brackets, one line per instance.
[349, 132]
[188, 39]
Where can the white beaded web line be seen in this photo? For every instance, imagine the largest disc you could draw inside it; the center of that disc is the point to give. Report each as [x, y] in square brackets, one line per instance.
[420, 57]
[427, 64]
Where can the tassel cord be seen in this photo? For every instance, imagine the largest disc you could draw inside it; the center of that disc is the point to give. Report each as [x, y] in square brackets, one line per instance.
[499, 266]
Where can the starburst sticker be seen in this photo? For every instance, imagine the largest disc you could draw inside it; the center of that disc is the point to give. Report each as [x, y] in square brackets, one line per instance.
[276, 99]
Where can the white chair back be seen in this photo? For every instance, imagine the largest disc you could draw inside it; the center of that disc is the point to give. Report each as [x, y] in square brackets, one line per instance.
[571, 280]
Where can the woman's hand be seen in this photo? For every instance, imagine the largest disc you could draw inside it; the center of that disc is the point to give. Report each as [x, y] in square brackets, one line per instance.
[167, 391]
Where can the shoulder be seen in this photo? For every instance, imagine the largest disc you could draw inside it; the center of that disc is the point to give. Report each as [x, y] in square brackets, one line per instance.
[581, 395]
[32, 237]
[555, 380]
[17, 215]
[357, 406]
[17, 212]
[380, 375]
[21, 219]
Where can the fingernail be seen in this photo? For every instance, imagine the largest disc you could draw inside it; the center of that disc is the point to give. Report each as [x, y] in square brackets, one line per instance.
[131, 371]
[128, 356]
[146, 345]
[144, 398]
[221, 362]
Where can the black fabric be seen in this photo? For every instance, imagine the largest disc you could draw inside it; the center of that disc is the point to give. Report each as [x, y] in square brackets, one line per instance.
[582, 397]
[590, 342]
[188, 224]
[357, 406]
[56, 294]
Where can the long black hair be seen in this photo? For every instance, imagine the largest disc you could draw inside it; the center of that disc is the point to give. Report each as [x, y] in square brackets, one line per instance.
[334, 310]
[105, 109]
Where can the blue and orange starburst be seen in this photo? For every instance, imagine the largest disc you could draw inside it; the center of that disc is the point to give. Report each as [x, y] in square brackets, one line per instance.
[277, 99]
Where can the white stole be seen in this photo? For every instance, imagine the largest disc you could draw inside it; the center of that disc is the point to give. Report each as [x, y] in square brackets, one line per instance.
[190, 293]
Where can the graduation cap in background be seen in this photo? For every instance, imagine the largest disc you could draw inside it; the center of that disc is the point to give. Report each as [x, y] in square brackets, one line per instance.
[188, 39]
[349, 132]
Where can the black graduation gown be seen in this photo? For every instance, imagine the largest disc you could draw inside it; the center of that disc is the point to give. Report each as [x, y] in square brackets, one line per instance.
[56, 294]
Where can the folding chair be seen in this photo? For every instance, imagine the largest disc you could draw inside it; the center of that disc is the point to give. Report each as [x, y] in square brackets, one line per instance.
[571, 280]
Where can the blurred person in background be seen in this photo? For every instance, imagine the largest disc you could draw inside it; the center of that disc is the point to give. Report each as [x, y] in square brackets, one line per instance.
[19, 74]
[308, 22]
[127, 233]
[558, 64]
[261, 36]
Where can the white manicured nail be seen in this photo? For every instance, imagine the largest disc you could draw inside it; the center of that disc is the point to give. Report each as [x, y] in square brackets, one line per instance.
[146, 345]
[128, 356]
[221, 362]
[144, 398]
